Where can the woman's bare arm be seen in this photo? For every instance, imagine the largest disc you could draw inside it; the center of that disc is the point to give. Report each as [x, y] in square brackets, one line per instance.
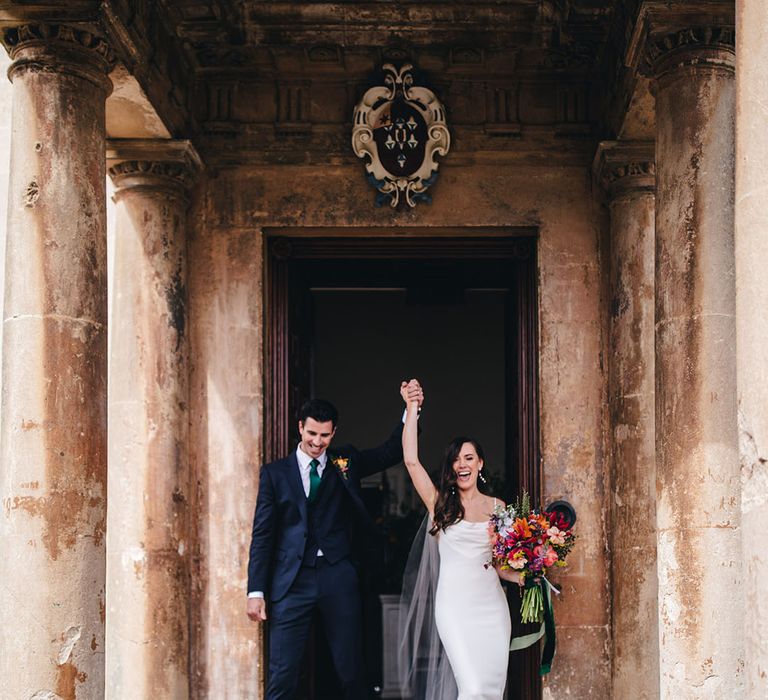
[419, 476]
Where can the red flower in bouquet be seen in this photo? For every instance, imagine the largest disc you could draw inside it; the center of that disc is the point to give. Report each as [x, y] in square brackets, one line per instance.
[546, 555]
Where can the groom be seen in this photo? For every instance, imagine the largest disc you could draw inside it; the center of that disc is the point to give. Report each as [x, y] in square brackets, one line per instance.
[307, 507]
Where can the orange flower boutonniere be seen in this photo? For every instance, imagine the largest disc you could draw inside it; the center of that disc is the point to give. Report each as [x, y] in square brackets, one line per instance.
[342, 464]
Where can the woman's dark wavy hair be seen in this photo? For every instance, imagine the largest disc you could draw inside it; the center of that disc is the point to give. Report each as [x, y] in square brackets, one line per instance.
[448, 508]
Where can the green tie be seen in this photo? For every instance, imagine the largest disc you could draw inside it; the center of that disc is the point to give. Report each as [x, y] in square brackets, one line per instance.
[314, 480]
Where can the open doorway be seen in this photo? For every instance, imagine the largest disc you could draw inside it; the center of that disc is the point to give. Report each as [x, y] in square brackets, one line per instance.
[366, 340]
[348, 319]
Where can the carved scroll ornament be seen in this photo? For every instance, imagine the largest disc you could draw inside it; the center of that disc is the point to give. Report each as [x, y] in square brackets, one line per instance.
[399, 130]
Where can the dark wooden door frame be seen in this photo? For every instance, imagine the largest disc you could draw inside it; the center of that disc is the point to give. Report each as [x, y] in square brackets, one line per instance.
[282, 247]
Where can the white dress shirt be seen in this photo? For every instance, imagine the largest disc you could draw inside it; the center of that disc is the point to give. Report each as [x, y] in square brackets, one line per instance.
[304, 466]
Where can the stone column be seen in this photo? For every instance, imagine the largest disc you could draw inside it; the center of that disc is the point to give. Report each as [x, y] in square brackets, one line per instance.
[147, 539]
[752, 325]
[627, 172]
[698, 483]
[54, 422]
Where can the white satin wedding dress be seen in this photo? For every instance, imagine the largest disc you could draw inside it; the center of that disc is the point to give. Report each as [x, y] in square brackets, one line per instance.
[471, 612]
[454, 625]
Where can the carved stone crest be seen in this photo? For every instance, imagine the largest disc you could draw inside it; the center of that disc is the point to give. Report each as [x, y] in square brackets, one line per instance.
[399, 129]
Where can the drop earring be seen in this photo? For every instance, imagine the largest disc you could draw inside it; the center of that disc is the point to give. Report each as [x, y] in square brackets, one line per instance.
[481, 477]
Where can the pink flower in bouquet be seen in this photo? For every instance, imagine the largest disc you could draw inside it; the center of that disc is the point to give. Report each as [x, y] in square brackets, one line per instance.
[556, 535]
[546, 554]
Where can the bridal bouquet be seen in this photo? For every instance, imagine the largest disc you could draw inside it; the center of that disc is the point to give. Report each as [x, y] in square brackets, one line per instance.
[529, 541]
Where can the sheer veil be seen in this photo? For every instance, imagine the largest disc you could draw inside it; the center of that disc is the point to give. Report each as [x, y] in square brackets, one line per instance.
[423, 667]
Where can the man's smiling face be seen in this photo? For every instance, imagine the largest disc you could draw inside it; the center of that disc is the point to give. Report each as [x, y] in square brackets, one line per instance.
[315, 436]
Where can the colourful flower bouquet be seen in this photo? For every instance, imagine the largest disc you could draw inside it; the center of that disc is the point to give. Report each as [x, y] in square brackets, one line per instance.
[529, 541]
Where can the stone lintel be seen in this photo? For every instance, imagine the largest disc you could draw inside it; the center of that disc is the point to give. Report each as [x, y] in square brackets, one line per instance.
[699, 27]
[623, 167]
[153, 163]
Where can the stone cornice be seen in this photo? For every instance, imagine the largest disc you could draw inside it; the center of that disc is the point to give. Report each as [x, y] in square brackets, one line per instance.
[169, 166]
[625, 167]
[52, 11]
[59, 47]
[697, 33]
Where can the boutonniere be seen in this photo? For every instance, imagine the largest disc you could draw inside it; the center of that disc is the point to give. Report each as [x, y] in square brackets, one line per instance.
[342, 465]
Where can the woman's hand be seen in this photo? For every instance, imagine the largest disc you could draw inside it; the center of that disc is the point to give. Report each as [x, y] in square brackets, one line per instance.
[510, 575]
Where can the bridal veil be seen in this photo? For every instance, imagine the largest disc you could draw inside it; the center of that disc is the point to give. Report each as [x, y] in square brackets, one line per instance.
[423, 667]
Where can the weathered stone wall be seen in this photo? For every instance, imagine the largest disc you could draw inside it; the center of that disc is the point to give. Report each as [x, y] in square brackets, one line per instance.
[225, 280]
[226, 275]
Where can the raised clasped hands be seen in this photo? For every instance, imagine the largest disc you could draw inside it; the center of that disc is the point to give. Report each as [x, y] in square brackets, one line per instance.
[411, 391]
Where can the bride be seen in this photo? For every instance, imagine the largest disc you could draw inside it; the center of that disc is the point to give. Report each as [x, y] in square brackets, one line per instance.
[447, 587]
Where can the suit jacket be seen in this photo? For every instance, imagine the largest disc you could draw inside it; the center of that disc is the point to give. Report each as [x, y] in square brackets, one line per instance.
[281, 520]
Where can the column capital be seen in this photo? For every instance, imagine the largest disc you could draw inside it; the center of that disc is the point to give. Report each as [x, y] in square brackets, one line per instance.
[167, 165]
[671, 35]
[625, 167]
[59, 47]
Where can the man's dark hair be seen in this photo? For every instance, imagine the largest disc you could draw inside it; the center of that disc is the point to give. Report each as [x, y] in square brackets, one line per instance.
[320, 410]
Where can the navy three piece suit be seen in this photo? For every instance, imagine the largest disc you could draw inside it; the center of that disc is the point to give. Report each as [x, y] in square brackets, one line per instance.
[288, 531]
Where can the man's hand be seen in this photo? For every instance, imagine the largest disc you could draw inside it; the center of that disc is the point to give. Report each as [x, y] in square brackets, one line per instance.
[412, 391]
[256, 609]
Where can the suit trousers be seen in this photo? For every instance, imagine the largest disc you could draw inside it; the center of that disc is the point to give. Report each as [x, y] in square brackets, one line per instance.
[333, 590]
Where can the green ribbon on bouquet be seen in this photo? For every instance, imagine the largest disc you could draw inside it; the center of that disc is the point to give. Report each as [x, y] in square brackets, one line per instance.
[547, 630]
